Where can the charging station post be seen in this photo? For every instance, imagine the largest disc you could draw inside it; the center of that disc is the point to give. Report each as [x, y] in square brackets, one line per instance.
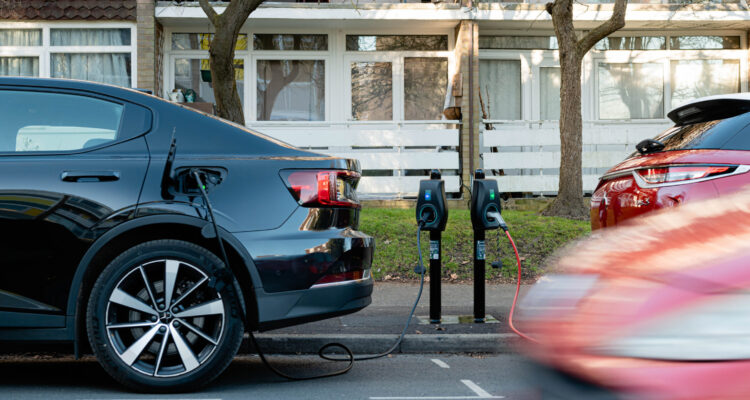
[485, 213]
[432, 215]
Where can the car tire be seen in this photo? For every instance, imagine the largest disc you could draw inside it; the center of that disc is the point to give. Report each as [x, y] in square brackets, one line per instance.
[148, 346]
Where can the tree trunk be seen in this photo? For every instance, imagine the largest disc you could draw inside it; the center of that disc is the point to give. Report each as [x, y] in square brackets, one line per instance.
[569, 201]
[221, 55]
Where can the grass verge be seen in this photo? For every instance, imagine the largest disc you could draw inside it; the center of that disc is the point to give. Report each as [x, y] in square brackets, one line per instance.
[537, 237]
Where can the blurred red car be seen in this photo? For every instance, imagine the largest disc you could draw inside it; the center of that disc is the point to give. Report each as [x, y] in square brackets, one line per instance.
[656, 308]
[704, 155]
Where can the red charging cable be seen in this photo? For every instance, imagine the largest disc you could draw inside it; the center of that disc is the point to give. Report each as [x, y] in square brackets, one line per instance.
[518, 288]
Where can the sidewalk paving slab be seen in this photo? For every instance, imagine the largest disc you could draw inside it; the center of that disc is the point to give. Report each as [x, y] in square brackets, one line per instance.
[375, 328]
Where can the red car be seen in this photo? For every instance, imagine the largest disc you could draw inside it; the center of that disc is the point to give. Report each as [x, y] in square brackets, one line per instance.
[704, 155]
[657, 308]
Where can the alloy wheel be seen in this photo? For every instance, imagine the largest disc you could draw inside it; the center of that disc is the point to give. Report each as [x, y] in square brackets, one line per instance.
[163, 319]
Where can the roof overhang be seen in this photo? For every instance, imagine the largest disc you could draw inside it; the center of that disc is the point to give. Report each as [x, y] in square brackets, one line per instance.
[638, 16]
[336, 16]
[490, 16]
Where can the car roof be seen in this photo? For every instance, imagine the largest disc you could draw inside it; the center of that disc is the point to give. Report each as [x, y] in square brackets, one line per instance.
[710, 108]
[102, 88]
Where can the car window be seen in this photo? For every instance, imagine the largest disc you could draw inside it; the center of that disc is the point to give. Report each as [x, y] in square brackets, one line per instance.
[740, 141]
[716, 134]
[45, 121]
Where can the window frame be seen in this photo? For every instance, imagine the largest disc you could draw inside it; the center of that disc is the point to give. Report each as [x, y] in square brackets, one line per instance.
[337, 74]
[527, 85]
[664, 57]
[538, 58]
[289, 57]
[250, 58]
[396, 58]
[45, 51]
[192, 55]
[397, 83]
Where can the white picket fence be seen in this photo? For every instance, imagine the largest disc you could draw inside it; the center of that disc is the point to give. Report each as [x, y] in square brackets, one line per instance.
[390, 148]
[534, 146]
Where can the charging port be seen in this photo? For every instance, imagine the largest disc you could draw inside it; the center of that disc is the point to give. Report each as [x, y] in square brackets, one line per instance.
[428, 214]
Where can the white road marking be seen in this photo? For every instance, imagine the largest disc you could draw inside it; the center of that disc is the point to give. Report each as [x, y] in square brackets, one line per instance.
[476, 389]
[436, 398]
[481, 394]
[440, 363]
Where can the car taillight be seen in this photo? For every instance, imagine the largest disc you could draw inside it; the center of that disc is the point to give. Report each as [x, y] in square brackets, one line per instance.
[316, 188]
[683, 173]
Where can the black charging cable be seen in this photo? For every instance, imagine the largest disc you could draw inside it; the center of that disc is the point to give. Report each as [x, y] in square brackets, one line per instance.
[226, 277]
[411, 313]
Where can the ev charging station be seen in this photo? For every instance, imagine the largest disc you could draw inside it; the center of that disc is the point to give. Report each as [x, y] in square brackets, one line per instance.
[485, 215]
[432, 216]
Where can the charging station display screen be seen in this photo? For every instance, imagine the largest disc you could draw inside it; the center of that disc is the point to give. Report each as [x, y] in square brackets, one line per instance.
[427, 194]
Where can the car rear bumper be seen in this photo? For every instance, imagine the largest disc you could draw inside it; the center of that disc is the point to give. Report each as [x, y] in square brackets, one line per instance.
[277, 310]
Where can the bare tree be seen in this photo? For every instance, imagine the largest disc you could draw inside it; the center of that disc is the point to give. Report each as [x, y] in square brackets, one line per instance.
[569, 200]
[221, 54]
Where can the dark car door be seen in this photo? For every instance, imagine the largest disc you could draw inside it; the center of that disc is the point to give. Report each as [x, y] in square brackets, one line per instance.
[72, 164]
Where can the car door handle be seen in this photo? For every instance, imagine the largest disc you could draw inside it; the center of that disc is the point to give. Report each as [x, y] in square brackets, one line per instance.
[90, 176]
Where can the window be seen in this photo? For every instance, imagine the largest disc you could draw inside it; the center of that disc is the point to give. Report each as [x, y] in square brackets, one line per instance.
[518, 42]
[290, 42]
[704, 42]
[99, 54]
[631, 77]
[631, 91]
[549, 87]
[692, 79]
[425, 85]
[112, 68]
[396, 43]
[500, 87]
[20, 37]
[104, 67]
[632, 43]
[90, 37]
[202, 41]
[195, 74]
[291, 90]
[38, 121]
[19, 66]
[372, 91]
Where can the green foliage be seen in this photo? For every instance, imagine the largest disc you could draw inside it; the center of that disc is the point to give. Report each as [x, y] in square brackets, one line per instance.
[537, 237]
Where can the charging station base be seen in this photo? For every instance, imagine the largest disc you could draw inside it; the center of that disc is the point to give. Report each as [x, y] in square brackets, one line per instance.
[455, 319]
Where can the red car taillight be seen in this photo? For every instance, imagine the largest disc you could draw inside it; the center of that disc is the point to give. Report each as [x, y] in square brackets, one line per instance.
[316, 188]
[683, 173]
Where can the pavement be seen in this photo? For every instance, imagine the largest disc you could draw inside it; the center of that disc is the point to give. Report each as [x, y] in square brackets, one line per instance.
[375, 328]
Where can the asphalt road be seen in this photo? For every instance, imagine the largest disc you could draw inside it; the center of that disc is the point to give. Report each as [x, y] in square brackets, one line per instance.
[398, 377]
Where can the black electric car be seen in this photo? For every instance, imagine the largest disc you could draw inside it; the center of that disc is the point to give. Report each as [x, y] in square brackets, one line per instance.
[106, 240]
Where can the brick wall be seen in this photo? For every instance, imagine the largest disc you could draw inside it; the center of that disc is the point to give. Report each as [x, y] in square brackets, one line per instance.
[147, 46]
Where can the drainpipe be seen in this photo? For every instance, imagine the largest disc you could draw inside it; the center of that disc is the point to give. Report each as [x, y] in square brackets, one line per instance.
[471, 99]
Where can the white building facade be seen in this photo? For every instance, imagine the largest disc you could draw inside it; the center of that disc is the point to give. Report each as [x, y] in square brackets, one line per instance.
[371, 80]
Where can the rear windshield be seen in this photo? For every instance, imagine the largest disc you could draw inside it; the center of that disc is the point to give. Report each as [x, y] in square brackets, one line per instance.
[726, 134]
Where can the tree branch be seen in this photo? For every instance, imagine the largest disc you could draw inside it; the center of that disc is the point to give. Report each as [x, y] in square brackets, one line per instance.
[615, 22]
[238, 11]
[209, 10]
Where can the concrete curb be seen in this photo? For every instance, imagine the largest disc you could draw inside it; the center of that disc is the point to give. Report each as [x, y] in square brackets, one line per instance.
[377, 343]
